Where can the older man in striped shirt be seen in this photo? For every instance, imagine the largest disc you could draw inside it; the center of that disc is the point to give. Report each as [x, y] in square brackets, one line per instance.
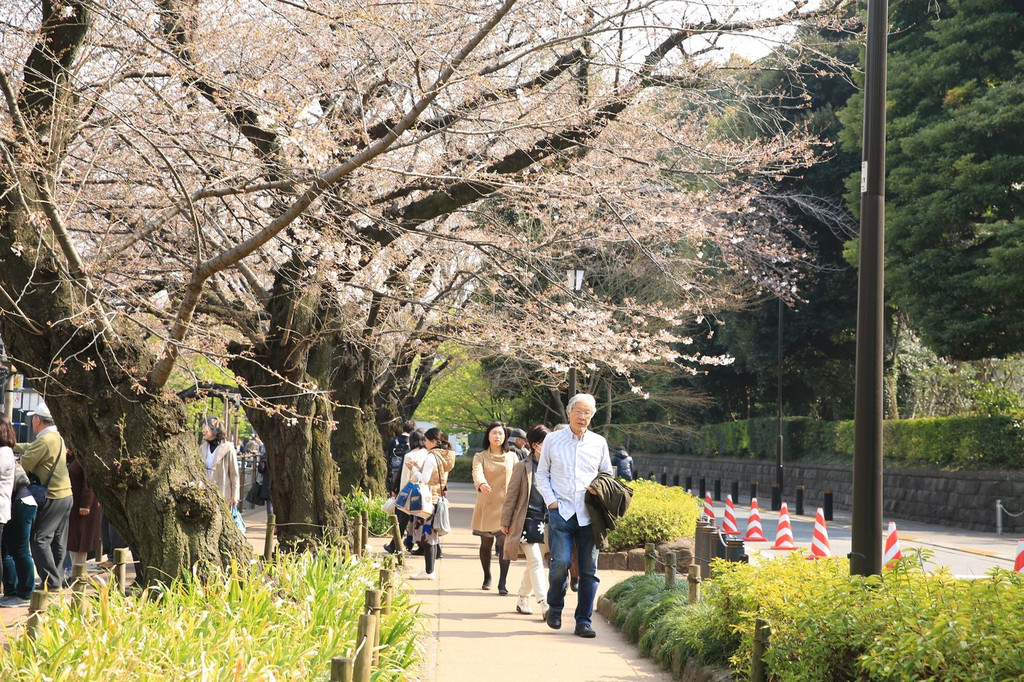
[570, 460]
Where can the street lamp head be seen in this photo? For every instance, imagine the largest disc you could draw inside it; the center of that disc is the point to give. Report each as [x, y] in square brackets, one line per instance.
[575, 279]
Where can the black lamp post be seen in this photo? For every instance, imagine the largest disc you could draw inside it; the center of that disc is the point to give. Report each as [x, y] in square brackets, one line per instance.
[866, 538]
[777, 488]
[575, 279]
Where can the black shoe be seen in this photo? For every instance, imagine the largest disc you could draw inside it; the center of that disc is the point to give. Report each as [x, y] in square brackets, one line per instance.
[419, 551]
[574, 584]
[390, 548]
[502, 590]
[585, 631]
[486, 585]
[554, 620]
[439, 553]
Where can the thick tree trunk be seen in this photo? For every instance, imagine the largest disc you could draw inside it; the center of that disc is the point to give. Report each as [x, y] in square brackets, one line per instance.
[137, 449]
[357, 445]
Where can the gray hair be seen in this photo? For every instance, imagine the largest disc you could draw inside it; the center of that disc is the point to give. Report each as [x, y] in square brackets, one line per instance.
[582, 398]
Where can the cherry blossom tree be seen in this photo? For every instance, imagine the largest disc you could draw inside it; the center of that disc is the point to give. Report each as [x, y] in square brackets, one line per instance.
[312, 194]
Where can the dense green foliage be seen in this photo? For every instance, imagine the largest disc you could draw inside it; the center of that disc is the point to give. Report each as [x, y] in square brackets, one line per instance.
[828, 625]
[656, 514]
[282, 621]
[955, 205]
[994, 442]
[357, 501]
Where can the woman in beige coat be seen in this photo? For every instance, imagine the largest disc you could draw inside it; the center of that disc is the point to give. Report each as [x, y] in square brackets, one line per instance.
[492, 470]
[523, 520]
[220, 459]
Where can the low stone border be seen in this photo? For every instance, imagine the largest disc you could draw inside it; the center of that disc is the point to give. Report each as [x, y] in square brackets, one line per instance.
[633, 560]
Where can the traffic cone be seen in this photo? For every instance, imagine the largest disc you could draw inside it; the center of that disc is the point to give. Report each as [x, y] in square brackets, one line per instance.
[709, 507]
[784, 533]
[819, 543]
[892, 546]
[729, 526]
[754, 532]
[1018, 565]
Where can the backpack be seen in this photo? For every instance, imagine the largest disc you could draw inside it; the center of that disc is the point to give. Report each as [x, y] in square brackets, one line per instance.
[396, 458]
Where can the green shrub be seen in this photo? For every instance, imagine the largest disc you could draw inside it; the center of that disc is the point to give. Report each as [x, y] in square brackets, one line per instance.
[829, 625]
[283, 621]
[656, 514]
[985, 442]
[357, 501]
[462, 472]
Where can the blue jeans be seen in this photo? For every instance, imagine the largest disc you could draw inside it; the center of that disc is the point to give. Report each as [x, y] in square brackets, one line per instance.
[562, 535]
[19, 570]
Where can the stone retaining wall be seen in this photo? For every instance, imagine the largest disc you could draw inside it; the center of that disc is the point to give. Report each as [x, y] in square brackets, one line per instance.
[963, 499]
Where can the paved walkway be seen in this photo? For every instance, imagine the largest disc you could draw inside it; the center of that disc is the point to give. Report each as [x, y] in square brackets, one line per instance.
[477, 635]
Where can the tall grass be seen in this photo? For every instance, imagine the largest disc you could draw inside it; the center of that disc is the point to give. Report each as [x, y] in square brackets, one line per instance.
[281, 622]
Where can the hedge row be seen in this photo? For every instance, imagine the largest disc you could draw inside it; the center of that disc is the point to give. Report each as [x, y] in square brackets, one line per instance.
[828, 625]
[944, 443]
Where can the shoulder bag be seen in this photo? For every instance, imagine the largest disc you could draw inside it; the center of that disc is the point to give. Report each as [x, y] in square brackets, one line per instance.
[38, 490]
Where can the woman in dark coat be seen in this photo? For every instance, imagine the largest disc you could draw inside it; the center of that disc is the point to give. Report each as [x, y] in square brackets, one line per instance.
[84, 526]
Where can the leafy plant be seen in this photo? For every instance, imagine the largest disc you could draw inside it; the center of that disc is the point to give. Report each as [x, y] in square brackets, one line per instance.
[657, 514]
[357, 501]
[282, 621]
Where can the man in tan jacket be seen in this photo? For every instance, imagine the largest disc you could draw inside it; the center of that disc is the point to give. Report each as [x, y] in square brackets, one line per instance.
[46, 457]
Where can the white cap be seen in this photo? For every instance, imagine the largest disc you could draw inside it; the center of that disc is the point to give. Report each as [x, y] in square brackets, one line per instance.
[42, 411]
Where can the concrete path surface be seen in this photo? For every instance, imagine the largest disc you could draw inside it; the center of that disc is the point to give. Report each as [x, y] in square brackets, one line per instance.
[476, 635]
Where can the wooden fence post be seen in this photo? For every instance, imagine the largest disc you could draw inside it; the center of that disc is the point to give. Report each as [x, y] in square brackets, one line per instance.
[650, 559]
[670, 570]
[79, 581]
[387, 591]
[373, 608]
[357, 535]
[396, 542]
[762, 633]
[341, 669]
[693, 577]
[268, 542]
[364, 644]
[121, 568]
[36, 608]
[364, 540]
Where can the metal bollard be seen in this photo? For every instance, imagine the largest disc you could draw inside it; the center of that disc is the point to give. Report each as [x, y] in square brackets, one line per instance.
[734, 550]
[776, 497]
[753, 489]
[675, 480]
[702, 485]
[735, 492]
[689, 482]
[718, 490]
[800, 500]
[827, 505]
[664, 476]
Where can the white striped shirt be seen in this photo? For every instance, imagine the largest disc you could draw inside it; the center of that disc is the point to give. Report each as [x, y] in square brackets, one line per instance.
[567, 466]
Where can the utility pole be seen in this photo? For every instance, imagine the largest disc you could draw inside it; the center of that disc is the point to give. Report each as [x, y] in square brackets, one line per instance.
[777, 490]
[866, 540]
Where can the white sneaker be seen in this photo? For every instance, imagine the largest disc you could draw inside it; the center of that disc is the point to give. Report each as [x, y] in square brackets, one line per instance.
[523, 605]
[543, 610]
[423, 575]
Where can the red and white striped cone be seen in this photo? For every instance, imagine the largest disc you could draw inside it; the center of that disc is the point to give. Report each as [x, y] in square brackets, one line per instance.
[754, 532]
[1018, 565]
[709, 507]
[892, 546]
[729, 525]
[784, 533]
[819, 543]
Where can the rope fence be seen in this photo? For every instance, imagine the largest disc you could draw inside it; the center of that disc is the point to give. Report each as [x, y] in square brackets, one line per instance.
[1000, 510]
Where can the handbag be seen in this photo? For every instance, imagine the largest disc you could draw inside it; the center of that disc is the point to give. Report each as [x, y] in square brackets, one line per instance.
[442, 517]
[415, 499]
[253, 496]
[37, 489]
[236, 516]
[389, 505]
